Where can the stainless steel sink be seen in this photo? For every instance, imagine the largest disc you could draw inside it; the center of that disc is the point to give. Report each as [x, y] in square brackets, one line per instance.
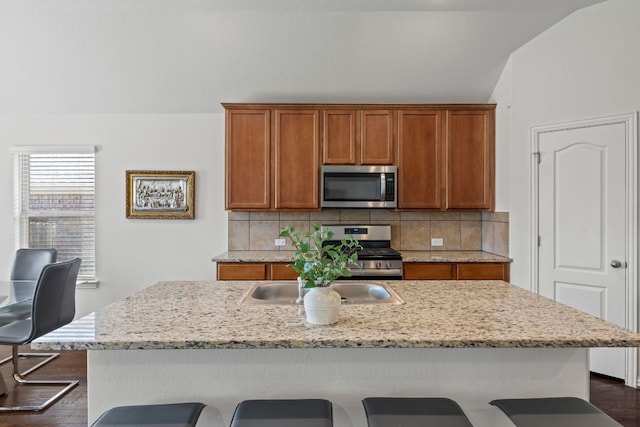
[351, 293]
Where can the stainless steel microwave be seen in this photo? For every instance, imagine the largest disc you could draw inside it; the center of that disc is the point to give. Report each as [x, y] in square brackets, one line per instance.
[359, 187]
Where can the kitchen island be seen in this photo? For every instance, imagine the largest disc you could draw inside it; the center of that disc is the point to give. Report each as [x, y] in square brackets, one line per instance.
[472, 341]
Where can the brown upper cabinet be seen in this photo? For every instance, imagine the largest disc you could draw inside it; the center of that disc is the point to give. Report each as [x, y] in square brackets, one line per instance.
[357, 137]
[470, 159]
[444, 152]
[420, 159]
[339, 130]
[297, 166]
[272, 158]
[248, 159]
[446, 158]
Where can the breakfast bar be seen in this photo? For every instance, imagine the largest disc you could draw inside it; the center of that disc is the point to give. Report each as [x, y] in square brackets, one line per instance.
[472, 341]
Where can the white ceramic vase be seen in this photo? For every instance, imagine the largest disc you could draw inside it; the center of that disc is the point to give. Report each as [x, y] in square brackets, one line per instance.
[322, 305]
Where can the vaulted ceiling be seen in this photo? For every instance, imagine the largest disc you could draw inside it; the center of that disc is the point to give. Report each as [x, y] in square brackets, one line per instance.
[187, 56]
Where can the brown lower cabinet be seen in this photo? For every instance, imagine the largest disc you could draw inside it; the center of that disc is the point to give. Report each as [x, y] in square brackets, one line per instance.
[255, 271]
[412, 271]
[456, 271]
[242, 271]
[280, 271]
[429, 271]
[483, 271]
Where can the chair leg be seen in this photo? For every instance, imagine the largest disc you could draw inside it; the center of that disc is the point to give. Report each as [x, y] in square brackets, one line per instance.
[48, 358]
[68, 385]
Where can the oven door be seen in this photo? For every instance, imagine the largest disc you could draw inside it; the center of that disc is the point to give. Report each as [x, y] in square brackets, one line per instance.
[376, 270]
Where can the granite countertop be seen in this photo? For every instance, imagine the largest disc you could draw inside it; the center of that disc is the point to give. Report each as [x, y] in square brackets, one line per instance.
[254, 256]
[452, 256]
[206, 315]
[407, 256]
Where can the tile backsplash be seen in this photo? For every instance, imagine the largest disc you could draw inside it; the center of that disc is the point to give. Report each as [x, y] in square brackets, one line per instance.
[487, 231]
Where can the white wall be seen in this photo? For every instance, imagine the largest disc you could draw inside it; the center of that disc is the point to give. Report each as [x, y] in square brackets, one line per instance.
[186, 56]
[502, 97]
[585, 66]
[132, 253]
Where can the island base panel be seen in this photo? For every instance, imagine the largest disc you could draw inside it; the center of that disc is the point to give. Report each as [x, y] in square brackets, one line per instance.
[222, 378]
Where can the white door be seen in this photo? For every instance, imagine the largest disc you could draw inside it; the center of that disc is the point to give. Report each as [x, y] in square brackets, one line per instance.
[582, 193]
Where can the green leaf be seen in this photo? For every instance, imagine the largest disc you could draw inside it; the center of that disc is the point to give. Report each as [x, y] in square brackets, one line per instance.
[314, 261]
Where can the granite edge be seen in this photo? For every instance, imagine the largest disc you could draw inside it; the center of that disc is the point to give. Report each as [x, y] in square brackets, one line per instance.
[212, 345]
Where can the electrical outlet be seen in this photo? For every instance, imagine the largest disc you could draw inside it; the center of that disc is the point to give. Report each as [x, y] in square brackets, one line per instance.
[437, 241]
[280, 242]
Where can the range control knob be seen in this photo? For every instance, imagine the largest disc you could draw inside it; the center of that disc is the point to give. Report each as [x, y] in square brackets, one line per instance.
[378, 264]
[388, 264]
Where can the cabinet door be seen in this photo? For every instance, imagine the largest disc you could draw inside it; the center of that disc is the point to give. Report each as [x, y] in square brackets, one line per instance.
[483, 271]
[280, 271]
[247, 162]
[420, 181]
[429, 271]
[339, 137]
[470, 159]
[242, 271]
[376, 134]
[297, 166]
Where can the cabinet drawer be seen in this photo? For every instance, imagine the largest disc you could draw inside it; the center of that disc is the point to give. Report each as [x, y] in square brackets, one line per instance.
[429, 271]
[280, 271]
[483, 271]
[242, 271]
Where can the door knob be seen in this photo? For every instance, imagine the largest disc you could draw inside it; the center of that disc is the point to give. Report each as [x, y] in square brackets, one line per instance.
[615, 263]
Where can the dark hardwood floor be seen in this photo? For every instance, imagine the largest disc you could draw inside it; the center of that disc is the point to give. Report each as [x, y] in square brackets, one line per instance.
[620, 402]
[70, 411]
[612, 396]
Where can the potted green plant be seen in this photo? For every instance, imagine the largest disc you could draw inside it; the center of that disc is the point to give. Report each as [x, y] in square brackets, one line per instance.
[318, 264]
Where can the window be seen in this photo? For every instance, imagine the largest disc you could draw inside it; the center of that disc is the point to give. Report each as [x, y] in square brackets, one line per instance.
[54, 202]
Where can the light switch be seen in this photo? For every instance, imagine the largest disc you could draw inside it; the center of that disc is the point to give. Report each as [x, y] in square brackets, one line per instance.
[437, 241]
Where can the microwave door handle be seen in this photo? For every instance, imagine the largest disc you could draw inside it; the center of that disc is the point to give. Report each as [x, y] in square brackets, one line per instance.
[383, 186]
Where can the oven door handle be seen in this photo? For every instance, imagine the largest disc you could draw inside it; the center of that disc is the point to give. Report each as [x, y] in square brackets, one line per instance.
[376, 272]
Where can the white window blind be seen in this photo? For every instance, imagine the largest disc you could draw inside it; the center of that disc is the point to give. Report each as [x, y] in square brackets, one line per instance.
[54, 202]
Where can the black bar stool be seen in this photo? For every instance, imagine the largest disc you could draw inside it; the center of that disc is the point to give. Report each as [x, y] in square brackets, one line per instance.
[414, 412]
[283, 413]
[554, 412]
[170, 414]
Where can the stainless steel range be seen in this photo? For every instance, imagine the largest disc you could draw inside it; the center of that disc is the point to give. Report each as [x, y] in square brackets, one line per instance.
[377, 259]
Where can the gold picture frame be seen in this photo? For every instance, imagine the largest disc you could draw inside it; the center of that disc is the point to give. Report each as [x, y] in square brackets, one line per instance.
[160, 194]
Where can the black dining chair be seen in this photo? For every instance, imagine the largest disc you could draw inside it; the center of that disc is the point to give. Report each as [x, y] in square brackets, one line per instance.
[27, 266]
[554, 412]
[53, 306]
[283, 413]
[163, 414]
[414, 411]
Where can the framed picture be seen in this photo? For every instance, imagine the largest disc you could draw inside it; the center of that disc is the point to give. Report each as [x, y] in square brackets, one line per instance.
[161, 194]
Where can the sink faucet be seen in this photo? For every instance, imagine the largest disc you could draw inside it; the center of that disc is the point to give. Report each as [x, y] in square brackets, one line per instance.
[301, 291]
